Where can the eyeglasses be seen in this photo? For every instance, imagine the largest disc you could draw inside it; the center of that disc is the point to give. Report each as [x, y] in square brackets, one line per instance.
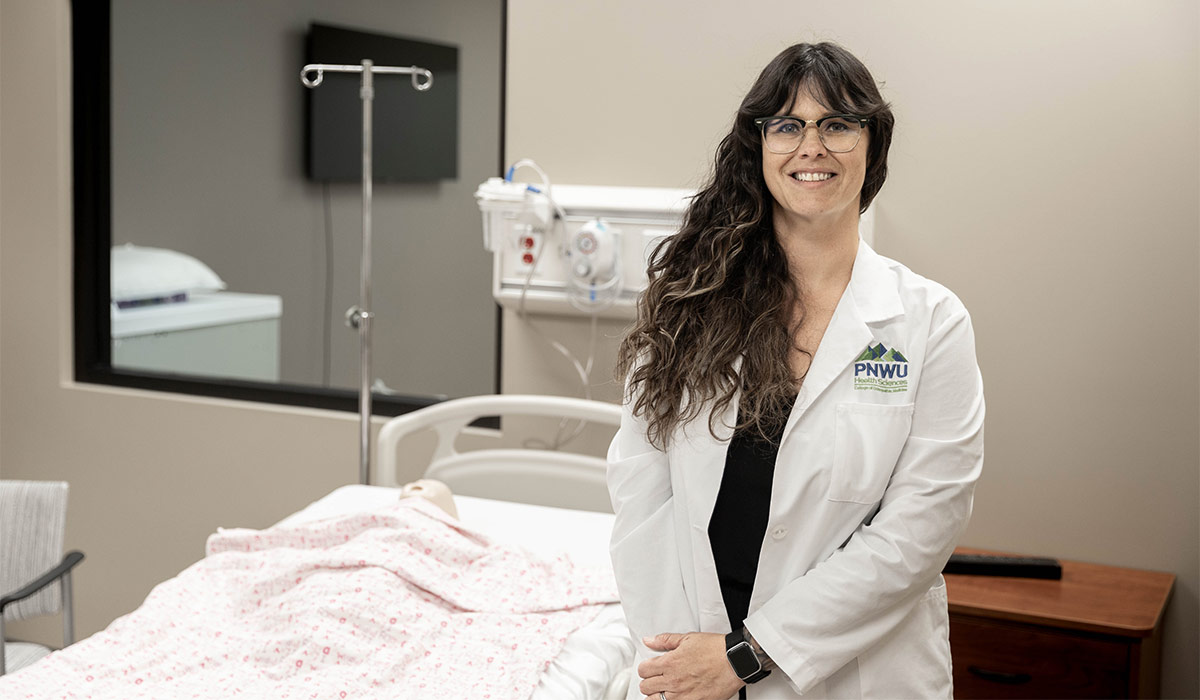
[839, 133]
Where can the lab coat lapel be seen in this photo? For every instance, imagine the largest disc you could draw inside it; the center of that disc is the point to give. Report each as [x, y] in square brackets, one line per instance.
[703, 455]
[870, 297]
[701, 459]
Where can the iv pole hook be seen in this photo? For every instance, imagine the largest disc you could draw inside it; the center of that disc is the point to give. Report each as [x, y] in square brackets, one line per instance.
[422, 78]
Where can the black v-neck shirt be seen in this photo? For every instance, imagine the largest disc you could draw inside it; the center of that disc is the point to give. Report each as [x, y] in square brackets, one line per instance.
[741, 513]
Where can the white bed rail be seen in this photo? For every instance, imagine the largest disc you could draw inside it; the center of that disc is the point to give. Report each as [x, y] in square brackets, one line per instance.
[514, 466]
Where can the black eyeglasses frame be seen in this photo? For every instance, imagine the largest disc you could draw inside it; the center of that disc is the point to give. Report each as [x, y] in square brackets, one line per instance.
[761, 123]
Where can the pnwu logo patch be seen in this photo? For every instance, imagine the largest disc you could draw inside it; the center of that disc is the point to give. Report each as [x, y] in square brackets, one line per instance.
[881, 369]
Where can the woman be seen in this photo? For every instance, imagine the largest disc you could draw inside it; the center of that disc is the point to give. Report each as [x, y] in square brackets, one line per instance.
[803, 423]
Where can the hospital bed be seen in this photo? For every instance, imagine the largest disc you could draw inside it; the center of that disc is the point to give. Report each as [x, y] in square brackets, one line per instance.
[561, 555]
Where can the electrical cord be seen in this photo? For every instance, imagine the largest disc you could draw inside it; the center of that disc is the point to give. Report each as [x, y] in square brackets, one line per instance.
[327, 329]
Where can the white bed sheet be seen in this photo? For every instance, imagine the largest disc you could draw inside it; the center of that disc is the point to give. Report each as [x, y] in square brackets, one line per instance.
[594, 663]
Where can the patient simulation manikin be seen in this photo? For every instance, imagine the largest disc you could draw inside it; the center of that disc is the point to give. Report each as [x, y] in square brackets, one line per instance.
[433, 491]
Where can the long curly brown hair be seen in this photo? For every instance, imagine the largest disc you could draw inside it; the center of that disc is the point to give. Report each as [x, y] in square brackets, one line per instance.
[720, 289]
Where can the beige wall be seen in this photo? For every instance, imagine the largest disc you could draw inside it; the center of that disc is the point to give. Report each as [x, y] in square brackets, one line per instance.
[1022, 176]
[1018, 180]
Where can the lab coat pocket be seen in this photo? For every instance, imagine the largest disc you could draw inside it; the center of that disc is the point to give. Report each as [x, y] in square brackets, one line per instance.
[867, 440]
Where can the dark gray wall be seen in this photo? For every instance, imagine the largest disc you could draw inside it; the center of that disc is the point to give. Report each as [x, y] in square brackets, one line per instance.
[208, 129]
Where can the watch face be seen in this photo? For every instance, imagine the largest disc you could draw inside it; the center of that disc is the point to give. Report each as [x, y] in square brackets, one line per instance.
[743, 660]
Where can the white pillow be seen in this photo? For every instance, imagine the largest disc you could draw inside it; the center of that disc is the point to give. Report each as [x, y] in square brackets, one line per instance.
[147, 273]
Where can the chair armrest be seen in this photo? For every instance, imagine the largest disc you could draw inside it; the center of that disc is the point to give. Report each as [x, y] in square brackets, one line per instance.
[69, 562]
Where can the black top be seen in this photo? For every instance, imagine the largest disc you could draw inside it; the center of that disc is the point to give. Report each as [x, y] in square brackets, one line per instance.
[740, 516]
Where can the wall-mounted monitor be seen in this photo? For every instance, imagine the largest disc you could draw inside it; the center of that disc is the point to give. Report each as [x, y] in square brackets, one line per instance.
[415, 134]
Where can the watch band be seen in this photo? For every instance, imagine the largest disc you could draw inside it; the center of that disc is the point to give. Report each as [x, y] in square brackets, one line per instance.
[742, 659]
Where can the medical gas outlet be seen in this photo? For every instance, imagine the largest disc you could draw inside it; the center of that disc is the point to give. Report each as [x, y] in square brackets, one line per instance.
[528, 245]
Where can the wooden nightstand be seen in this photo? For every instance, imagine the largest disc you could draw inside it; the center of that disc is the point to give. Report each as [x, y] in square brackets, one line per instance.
[1097, 633]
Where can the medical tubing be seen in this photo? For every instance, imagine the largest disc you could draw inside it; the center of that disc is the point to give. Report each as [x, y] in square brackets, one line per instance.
[599, 305]
[559, 439]
[528, 163]
[584, 378]
[584, 373]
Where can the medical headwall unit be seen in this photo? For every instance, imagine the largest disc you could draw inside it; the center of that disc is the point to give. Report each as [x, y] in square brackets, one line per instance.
[581, 250]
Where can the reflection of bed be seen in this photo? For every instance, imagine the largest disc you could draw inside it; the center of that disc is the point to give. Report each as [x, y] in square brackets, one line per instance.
[169, 314]
[210, 334]
[590, 659]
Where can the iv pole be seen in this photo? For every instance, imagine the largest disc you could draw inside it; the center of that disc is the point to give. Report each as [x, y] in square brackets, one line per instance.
[360, 316]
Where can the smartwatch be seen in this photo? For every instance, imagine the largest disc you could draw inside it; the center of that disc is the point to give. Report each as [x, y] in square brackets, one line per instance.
[742, 658]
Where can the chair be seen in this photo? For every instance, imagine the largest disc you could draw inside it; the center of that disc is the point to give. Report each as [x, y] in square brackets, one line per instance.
[35, 577]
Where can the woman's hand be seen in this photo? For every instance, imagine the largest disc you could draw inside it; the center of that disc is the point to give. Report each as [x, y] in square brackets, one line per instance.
[694, 667]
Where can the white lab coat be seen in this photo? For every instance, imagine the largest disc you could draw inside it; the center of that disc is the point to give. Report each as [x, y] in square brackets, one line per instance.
[871, 491]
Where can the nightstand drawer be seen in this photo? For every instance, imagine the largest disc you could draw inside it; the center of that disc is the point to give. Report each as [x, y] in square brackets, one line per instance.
[995, 659]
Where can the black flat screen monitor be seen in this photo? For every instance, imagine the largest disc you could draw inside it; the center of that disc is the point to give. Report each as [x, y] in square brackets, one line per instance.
[415, 133]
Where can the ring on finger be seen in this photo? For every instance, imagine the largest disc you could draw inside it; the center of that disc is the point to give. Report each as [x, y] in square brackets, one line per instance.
[662, 695]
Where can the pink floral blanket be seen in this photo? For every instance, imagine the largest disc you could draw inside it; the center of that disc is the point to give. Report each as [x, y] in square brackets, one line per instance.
[400, 602]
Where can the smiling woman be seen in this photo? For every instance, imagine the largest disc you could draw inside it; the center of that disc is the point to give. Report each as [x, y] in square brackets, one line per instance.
[194, 142]
[780, 520]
